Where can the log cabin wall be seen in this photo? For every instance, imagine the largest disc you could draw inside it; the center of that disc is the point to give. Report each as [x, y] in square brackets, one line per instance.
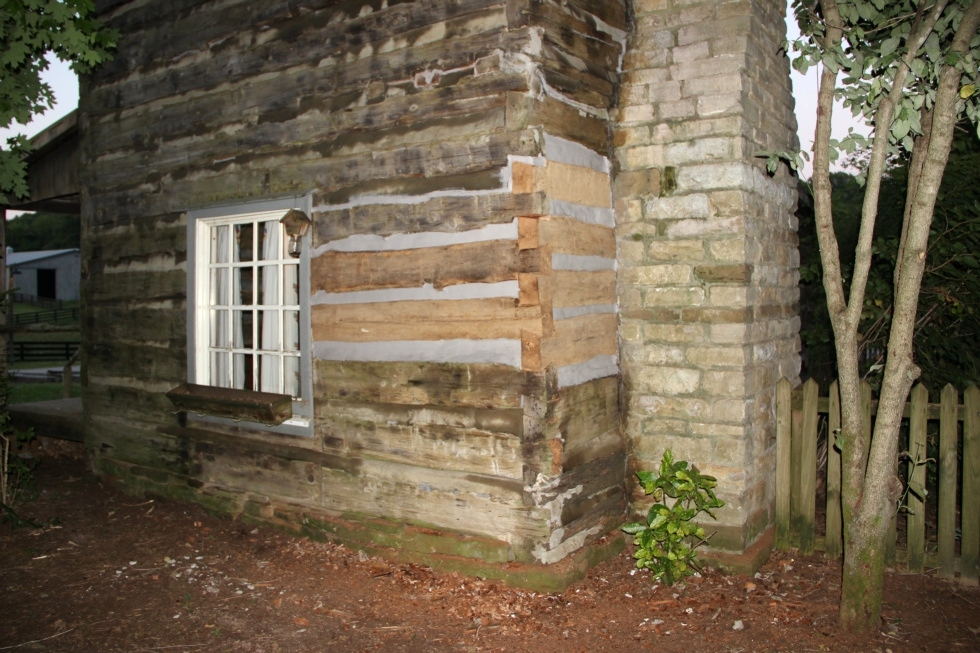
[456, 159]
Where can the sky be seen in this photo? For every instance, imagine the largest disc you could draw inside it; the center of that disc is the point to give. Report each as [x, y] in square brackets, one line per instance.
[65, 85]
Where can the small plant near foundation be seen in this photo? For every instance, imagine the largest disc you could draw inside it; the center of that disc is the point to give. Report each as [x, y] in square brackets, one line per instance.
[666, 543]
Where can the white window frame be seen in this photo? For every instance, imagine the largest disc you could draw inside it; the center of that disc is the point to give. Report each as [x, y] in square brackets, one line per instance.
[199, 223]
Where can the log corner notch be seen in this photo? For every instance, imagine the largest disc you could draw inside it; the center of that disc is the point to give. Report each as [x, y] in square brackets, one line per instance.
[575, 282]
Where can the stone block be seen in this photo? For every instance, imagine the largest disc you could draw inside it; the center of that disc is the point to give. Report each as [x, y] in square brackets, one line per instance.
[711, 357]
[692, 52]
[728, 333]
[663, 355]
[666, 91]
[731, 296]
[724, 383]
[729, 249]
[717, 176]
[677, 110]
[636, 113]
[697, 151]
[726, 82]
[725, 273]
[644, 156]
[674, 332]
[637, 183]
[675, 250]
[691, 71]
[674, 207]
[729, 410]
[716, 430]
[659, 297]
[704, 228]
[674, 407]
[719, 104]
[669, 381]
[658, 275]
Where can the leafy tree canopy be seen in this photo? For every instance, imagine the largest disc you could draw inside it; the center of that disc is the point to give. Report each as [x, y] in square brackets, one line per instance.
[949, 301]
[32, 232]
[29, 31]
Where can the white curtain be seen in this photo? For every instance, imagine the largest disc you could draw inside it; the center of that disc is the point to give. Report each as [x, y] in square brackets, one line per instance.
[270, 363]
[225, 284]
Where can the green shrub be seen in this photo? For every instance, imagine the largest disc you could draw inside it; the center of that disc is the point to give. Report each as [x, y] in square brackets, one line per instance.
[666, 543]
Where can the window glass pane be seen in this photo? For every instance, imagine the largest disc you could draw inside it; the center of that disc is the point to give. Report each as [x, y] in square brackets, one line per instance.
[243, 281]
[243, 372]
[290, 336]
[269, 339]
[269, 371]
[269, 285]
[219, 328]
[269, 248]
[220, 243]
[290, 285]
[243, 238]
[220, 373]
[290, 373]
[220, 289]
[243, 329]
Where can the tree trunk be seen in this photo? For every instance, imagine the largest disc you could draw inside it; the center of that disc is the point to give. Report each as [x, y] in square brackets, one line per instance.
[870, 488]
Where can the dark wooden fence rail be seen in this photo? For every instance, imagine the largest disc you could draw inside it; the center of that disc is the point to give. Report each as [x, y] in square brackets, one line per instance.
[43, 351]
[56, 316]
[797, 434]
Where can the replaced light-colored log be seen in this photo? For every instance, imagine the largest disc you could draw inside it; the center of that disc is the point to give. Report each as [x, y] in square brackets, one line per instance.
[424, 320]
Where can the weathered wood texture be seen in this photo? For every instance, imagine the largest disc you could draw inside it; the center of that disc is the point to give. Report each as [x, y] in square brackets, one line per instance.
[796, 528]
[404, 117]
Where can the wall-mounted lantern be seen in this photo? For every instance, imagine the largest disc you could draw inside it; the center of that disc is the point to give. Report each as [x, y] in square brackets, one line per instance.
[297, 225]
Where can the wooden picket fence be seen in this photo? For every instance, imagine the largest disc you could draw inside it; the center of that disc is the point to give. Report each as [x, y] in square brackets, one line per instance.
[797, 424]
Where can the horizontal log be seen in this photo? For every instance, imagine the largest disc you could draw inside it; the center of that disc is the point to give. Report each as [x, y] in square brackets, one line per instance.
[558, 118]
[239, 467]
[574, 288]
[132, 320]
[441, 384]
[137, 286]
[579, 339]
[564, 182]
[160, 362]
[502, 422]
[464, 502]
[442, 447]
[482, 262]
[450, 213]
[584, 412]
[424, 320]
[399, 47]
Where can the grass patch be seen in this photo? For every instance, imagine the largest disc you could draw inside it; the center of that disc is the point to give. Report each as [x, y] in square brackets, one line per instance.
[24, 393]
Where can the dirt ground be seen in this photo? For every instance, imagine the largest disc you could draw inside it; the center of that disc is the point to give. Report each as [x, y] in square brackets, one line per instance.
[114, 572]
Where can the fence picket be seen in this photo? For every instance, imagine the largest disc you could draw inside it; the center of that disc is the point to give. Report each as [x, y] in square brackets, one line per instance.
[916, 521]
[797, 419]
[948, 437]
[807, 470]
[970, 511]
[784, 410]
[834, 543]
